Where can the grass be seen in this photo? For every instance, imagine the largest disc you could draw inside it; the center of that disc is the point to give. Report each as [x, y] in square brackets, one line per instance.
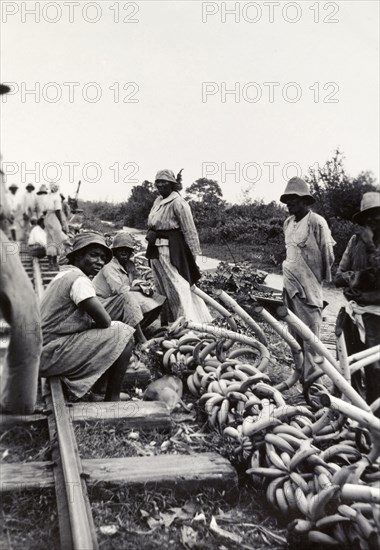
[29, 521]
[162, 520]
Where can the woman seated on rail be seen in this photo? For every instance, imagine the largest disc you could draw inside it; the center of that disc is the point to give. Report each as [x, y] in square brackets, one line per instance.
[117, 290]
[81, 344]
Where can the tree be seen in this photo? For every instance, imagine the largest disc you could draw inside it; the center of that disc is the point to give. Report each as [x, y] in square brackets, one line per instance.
[205, 199]
[338, 197]
[136, 210]
[337, 194]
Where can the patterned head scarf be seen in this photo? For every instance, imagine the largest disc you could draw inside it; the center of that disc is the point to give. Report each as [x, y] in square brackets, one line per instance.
[168, 175]
[54, 187]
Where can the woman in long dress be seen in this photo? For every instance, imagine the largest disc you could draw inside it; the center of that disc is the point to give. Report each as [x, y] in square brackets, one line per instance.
[173, 246]
[80, 342]
[54, 226]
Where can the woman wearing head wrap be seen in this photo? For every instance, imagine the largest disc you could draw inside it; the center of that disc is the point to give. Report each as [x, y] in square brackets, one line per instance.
[173, 246]
[80, 342]
[54, 226]
[116, 288]
[42, 200]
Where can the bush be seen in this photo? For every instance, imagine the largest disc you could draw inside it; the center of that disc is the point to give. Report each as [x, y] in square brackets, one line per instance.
[342, 231]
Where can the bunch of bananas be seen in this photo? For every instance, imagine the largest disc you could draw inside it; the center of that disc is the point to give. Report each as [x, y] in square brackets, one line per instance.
[302, 455]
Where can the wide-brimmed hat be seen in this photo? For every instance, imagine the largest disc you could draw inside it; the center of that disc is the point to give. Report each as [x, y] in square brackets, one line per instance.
[299, 187]
[4, 89]
[370, 204]
[123, 240]
[85, 239]
[13, 186]
[43, 190]
[30, 186]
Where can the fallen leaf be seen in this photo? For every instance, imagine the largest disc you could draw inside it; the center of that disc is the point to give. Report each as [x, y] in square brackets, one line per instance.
[188, 536]
[153, 523]
[200, 517]
[223, 533]
[109, 529]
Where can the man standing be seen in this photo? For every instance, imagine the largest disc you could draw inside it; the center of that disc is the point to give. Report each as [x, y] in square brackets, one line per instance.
[309, 257]
[16, 218]
[359, 273]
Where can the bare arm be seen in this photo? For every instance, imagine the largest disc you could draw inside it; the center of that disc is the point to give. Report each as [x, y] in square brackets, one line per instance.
[94, 308]
[59, 216]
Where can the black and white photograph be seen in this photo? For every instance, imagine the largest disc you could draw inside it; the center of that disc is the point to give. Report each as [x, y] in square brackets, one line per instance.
[190, 275]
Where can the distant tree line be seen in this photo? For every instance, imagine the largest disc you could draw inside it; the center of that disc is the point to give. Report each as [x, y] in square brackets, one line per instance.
[337, 196]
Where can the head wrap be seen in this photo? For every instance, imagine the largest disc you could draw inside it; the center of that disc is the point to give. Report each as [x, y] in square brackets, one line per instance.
[54, 187]
[168, 175]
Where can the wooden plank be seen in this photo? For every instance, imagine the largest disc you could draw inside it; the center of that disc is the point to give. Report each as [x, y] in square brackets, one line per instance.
[26, 476]
[7, 420]
[144, 415]
[184, 473]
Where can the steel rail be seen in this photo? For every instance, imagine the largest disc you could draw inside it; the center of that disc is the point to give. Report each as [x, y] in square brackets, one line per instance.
[76, 524]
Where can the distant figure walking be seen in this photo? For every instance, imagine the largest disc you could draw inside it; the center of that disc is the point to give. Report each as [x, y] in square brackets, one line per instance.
[309, 257]
[173, 246]
[16, 218]
[54, 226]
[29, 206]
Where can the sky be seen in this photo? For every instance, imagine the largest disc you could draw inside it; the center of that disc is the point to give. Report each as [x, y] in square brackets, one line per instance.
[246, 93]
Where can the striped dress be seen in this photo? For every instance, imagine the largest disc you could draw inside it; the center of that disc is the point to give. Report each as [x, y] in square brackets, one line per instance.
[173, 212]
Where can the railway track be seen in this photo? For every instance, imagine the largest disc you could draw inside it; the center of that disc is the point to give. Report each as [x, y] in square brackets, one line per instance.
[71, 476]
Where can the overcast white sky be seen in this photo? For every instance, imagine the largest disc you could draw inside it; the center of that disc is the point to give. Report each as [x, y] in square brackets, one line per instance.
[168, 54]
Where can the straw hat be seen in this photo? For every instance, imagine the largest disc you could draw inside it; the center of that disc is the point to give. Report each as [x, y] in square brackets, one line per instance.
[85, 239]
[299, 187]
[123, 240]
[370, 204]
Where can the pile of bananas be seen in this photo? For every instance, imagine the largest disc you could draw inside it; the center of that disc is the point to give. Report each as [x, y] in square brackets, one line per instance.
[306, 458]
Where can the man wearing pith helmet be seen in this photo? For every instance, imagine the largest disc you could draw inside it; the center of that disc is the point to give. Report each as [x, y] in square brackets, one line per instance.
[309, 257]
[19, 308]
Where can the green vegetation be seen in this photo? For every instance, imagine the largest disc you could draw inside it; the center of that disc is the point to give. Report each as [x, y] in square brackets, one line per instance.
[253, 229]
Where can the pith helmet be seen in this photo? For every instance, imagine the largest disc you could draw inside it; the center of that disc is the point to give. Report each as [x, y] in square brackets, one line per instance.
[297, 186]
[370, 204]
